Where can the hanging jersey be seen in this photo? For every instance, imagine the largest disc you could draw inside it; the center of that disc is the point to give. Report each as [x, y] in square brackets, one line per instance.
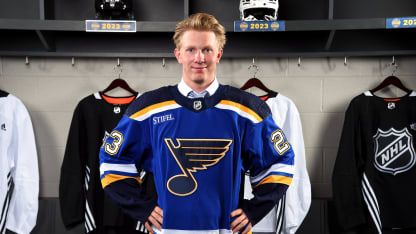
[19, 172]
[81, 196]
[288, 214]
[197, 149]
[374, 174]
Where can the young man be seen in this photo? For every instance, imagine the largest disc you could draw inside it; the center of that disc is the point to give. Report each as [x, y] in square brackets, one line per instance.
[197, 138]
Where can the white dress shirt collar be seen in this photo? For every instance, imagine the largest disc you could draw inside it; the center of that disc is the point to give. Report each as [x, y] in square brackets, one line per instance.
[184, 89]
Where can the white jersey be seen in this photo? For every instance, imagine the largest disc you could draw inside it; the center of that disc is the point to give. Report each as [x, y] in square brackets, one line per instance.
[19, 173]
[287, 216]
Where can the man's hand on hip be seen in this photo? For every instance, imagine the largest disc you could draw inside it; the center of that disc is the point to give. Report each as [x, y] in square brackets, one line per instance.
[240, 222]
[155, 219]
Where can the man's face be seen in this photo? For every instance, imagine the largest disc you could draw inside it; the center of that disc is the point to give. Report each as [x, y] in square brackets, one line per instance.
[199, 56]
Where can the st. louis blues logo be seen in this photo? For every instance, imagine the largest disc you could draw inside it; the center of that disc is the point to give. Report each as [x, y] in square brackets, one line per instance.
[394, 152]
[193, 155]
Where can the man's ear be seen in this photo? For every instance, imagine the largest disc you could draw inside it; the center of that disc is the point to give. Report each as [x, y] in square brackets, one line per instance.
[219, 55]
[178, 55]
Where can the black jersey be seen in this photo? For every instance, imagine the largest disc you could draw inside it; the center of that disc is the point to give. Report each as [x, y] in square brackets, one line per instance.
[374, 178]
[81, 196]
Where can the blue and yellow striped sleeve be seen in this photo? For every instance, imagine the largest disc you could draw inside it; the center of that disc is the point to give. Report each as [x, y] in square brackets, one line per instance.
[273, 160]
[120, 152]
[269, 158]
[112, 172]
[123, 155]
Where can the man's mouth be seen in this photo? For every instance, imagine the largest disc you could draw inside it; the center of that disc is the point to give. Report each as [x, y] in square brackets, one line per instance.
[198, 68]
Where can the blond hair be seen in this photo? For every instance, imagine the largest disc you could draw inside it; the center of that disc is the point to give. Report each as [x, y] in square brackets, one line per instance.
[200, 22]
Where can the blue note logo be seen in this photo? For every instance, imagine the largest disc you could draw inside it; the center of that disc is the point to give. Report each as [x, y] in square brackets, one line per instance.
[394, 151]
[193, 155]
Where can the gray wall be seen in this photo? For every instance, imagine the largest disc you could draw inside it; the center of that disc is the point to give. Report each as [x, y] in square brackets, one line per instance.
[320, 87]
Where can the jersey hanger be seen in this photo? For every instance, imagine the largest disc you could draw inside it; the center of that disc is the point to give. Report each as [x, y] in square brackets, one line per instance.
[119, 83]
[391, 80]
[254, 82]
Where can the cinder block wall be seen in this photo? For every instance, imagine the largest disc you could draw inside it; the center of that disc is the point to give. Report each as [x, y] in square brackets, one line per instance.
[320, 87]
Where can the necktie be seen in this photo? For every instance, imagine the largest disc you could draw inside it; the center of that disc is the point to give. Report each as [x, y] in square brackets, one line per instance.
[194, 94]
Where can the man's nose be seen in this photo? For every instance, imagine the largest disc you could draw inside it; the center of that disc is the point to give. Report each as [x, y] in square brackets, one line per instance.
[199, 56]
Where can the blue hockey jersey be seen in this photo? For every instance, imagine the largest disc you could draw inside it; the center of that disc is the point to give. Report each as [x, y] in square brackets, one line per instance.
[197, 150]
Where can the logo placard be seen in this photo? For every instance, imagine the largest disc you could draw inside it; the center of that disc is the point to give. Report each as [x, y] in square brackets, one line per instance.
[110, 26]
[404, 22]
[394, 151]
[259, 26]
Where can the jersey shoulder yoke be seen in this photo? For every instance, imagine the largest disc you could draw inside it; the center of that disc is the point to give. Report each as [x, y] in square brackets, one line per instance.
[150, 98]
[247, 100]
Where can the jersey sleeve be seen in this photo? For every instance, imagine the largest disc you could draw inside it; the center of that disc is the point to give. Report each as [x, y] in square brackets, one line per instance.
[126, 149]
[271, 161]
[347, 194]
[23, 210]
[71, 183]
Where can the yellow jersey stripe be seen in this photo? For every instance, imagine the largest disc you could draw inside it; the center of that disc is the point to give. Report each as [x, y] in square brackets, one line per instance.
[242, 108]
[111, 178]
[275, 179]
[152, 108]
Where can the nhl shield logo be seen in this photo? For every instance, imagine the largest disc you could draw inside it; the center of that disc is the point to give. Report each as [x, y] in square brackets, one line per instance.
[117, 110]
[394, 152]
[197, 105]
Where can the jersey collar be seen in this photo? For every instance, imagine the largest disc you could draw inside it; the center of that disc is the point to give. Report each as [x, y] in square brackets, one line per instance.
[197, 104]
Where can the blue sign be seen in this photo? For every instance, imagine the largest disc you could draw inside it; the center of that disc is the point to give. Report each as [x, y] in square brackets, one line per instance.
[110, 26]
[259, 26]
[405, 22]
